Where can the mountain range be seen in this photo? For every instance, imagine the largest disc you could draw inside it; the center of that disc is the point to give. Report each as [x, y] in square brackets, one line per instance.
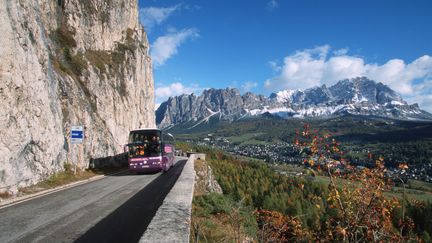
[357, 96]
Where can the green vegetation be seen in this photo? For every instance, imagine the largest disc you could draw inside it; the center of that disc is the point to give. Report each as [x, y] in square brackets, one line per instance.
[397, 141]
[129, 36]
[248, 186]
[64, 36]
[301, 208]
[260, 186]
[414, 189]
[67, 62]
[420, 185]
[99, 59]
[246, 138]
[218, 218]
[76, 63]
[397, 191]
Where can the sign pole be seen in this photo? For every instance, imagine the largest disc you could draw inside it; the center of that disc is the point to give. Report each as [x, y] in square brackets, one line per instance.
[77, 137]
[75, 163]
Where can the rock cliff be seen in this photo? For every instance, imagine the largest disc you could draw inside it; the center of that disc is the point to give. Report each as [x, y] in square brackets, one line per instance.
[64, 63]
[227, 104]
[205, 180]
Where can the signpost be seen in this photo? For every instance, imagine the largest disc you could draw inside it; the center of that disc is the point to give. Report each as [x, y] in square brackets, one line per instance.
[77, 137]
[77, 134]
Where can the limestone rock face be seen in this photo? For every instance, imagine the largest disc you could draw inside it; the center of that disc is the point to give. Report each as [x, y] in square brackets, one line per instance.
[64, 63]
[205, 180]
[227, 104]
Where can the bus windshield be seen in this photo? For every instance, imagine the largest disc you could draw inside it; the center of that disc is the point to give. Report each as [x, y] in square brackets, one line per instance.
[145, 143]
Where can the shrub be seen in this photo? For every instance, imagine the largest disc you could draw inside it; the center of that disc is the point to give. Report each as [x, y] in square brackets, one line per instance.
[78, 64]
[358, 209]
[64, 37]
[99, 59]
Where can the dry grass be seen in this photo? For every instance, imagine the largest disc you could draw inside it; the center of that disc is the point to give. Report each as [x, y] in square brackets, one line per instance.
[100, 59]
[58, 179]
[67, 177]
[5, 195]
[215, 228]
[209, 226]
[64, 36]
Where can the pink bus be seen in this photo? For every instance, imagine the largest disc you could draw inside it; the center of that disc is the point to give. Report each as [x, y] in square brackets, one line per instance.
[150, 150]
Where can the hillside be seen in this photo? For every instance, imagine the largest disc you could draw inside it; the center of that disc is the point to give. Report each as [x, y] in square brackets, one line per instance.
[268, 204]
[271, 139]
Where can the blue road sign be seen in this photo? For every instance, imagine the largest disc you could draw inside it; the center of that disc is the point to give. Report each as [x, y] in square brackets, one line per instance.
[77, 134]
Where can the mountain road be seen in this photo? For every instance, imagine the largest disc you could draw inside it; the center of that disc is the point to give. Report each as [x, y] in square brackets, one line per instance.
[116, 208]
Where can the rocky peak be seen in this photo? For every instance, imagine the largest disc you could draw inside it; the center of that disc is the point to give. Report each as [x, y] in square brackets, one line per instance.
[251, 101]
[362, 89]
[359, 96]
[317, 95]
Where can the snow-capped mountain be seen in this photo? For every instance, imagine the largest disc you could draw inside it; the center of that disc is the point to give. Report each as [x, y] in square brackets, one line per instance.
[358, 96]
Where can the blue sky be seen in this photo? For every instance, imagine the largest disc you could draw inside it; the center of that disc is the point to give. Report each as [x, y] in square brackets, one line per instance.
[265, 46]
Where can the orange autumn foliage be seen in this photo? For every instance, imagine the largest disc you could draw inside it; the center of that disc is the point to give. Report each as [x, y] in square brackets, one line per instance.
[277, 227]
[359, 209]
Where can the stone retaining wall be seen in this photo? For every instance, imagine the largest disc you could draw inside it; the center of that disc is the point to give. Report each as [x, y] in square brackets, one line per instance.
[173, 219]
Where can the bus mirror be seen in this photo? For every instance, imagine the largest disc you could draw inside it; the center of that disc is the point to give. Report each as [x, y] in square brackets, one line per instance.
[125, 148]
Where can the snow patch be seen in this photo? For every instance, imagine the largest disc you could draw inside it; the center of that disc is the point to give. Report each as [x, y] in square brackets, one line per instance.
[207, 118]
[285, 95]
[395, 102]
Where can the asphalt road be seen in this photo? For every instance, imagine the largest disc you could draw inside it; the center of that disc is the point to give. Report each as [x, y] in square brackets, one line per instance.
[114, 209]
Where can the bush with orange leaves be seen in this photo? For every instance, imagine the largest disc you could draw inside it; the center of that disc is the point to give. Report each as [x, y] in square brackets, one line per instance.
[276, 227]
[356, 205]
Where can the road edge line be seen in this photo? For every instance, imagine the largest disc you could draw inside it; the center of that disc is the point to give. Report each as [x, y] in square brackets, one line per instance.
[17, 200]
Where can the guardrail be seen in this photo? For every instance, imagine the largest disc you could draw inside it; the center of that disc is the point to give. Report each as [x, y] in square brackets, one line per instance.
[172, 221]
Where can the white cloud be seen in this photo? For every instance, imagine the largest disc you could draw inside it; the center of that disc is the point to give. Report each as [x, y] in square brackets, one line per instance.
[248, 86]
[173, 89]
[274, 66]
[422, 95]
[192, 7]
[341, 52]
[302, 69]
[152, 16]
[166, 46]
[424, 101]
[342, 67]
[313, 67]
[162, 93]
[233, 84]
[272, 4]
